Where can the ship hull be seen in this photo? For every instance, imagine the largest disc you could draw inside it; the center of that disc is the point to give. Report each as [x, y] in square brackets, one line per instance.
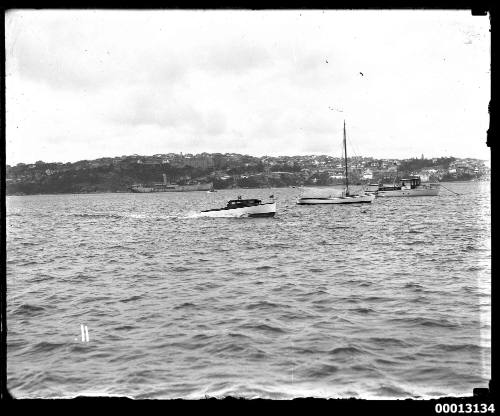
[171, 188]
[257, 211]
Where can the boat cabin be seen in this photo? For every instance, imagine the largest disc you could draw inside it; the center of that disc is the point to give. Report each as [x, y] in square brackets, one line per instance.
[240, 203]
[410, 183]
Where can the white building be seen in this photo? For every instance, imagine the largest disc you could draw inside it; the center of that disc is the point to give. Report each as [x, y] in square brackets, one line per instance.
[368, 174]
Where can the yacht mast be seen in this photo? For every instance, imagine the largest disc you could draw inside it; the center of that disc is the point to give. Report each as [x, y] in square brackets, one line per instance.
[346, 175]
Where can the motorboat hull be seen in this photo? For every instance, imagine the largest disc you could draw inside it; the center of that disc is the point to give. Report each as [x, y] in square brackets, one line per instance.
[354, 199]
[409, 192]
[256, 211]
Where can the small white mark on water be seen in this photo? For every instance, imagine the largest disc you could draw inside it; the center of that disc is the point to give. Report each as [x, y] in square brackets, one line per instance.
[85, 333]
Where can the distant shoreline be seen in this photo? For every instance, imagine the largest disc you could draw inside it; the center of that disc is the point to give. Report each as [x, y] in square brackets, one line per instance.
[225, 189]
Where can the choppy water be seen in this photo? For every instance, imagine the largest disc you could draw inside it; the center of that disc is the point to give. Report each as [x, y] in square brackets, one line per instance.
[390, 300]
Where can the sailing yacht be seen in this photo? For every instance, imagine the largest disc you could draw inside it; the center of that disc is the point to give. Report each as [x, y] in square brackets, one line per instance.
[346, 198]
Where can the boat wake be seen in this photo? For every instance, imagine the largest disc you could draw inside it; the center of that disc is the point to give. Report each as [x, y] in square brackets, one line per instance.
[212, 215]
[133, 216]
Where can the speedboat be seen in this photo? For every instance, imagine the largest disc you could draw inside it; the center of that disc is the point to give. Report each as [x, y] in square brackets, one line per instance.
[239, 208]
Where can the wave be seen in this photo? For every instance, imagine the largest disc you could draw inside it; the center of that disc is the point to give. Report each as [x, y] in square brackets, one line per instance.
[238, 335]
[264, 305]
[411, 285]
[185, 305]
[132, 298]
[427, 322]
[265, 327]
[124, 327]
[386, 362]
[342, 351]
[208, 285]
[29, 263]
[264, 267]
[392, 391]
[81, 347]
[363, 311]
[387, 342]
[135, 216]
[29, 310]
[305, 351]
[377, 299]
[97, 215]
[121, 247]
[181, 269]
[315, 293]
[41, 278]
[323, 370]
[45, 346]
[474, 348]
[471, 248]
[419, 299]
[293, 314]
[230, 347]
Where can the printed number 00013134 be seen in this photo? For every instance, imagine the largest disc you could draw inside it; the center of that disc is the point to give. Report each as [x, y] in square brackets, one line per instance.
[464, 408]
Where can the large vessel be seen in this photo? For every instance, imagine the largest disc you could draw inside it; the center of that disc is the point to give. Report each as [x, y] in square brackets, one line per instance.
[408, 187]
[238, 208]
[346, 197]
[168, 187]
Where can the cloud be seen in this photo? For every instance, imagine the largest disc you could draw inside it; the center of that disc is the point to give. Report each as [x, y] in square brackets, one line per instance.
[215, 123]
[254, 81]
[144, 108]
[77, 51]
[166, 108]
[71, 50]
[50, 51]
[236, 56]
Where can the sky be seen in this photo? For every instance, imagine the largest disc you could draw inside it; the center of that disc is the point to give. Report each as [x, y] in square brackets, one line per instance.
[85, 84]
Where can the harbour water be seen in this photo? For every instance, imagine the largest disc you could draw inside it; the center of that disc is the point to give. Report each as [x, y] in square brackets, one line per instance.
[387, 300]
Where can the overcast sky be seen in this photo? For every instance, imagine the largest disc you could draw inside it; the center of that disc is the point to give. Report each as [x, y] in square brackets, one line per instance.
[89, 84]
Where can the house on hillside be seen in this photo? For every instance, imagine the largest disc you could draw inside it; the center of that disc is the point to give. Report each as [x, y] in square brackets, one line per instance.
[367, 174]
